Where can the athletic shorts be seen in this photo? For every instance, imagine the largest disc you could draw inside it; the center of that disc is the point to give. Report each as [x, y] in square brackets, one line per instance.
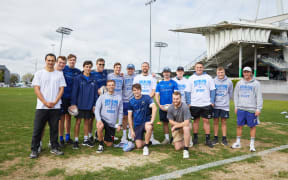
[85, 114]
[109, 132]
[163, 116]
[204, 112]
[245, 117]
[125, 108]
[66, 103]
[220, 113]
[178, 135]
[139, 132]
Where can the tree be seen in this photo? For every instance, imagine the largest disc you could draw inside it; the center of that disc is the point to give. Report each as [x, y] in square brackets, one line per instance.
[14, 78]
[27, 78]
[1, 76]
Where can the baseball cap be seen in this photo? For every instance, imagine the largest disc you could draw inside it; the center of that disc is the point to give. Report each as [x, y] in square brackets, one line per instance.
[130, 66]
[247, 69]
[180, 68]
[166, 69]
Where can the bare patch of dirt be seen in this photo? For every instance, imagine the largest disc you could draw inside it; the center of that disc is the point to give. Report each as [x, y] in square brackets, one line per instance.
[272, 127]
[6, 164]
[267, 168]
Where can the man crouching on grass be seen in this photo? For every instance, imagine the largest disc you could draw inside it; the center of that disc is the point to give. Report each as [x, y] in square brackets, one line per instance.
[179, 117]
[139, 109]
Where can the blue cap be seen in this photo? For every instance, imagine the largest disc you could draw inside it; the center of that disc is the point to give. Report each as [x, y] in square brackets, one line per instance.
[130, 66]
[166, 69]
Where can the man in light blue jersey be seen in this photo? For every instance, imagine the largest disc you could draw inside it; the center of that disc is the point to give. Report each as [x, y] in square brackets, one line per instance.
[127, 95]
[164, 91]
[139, 110]
[119, 80]
[109, 109]
[182, 82]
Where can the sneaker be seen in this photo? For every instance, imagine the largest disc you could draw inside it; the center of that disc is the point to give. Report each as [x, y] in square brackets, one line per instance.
[100, 149]
[236, 146]
[88, 143]
[209, 144]
[56, 151]
[91, 139]
[124, 140]
[165, 141]
[75, 145]
[154, 141]
[252, 149]
[195, 141]
[215, 141]
[185, 154]
[62, 143]
[69, 141]
[33, 154]
[191, 143]
[145, 151]
[224, 142]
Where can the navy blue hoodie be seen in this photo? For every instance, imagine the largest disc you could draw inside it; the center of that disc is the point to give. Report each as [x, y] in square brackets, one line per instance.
[84, 92]
[69, 75]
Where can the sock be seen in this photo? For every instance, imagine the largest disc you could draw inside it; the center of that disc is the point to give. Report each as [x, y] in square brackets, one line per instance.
[146, 145]
[67, 137]
[85, 138]
[195, 135]
[238, 139]
[61, 138]
[40, 143]
[89, 135]
[207, 137]
[216, 137]
[152, 136]
[101, 143]
[223, 137]
[186, 148]
[76, 139]
[167, 136]
[124, 133]
[252, 141]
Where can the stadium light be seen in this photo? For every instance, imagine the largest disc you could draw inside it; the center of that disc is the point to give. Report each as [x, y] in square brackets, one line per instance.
[160, 45]
[62, 31]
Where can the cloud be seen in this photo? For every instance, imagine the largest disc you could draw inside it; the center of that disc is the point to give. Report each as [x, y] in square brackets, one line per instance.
[14, 54]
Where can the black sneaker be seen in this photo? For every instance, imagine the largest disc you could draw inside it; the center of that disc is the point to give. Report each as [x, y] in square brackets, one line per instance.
[75, 145]
[69, 141]
[224, 142]
[33, 154]
[62, 143]
[209, 144]
[56, 151]
[195, 141]
[100, 149]
[91, 139]
[215, 141]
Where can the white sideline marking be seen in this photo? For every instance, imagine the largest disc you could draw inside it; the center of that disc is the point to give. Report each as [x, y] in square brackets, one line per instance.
[179, 173]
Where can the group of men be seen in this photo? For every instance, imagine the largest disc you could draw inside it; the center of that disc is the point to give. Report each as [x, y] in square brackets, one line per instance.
[120, 101]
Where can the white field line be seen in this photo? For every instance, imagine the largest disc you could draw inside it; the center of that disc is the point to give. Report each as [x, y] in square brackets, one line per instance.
[179, 173]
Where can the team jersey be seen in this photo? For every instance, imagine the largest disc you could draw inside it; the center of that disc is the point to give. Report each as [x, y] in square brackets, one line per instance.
[119, 80]
[200, 87]
[69, 75]
[166, 89]
[127, 90]
[182, 86]
[148, 83]
[101, 77]
[140, 109]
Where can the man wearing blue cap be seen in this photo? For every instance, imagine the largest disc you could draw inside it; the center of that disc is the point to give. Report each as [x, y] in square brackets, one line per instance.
[164, 91]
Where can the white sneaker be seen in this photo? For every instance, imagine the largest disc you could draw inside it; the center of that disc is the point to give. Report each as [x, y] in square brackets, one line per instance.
[252, 148]
[154, 141]
[100, 149]
[185, 154]
[191, 143]
[145, 151]
[165, 141]
[236, 146]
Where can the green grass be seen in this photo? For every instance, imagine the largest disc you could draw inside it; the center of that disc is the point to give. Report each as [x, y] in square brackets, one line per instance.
[17, 108]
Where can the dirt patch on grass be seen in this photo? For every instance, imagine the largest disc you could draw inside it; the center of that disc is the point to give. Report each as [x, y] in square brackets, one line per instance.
[268, 168]
[6, 164]
[273, 127]
[245, 145]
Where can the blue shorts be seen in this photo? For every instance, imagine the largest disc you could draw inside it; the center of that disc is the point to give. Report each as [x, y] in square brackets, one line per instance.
[125, 108]
[245, 117]
[220, 113]
[163, 116]
[139, 131]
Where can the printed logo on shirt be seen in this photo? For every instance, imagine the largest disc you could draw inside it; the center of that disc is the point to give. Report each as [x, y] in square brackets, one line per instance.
[245, 91]
[221, 89]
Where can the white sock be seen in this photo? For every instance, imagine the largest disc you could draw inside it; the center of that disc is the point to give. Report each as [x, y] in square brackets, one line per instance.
[40, 143]
[76, 139]
[89, 135]
[152, 136]
[167, 136]
[238, 139]
[252, 141]
[124, 133]
[85, 138]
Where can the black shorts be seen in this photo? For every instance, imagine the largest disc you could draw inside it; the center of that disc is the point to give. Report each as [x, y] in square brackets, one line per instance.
[139, 132]
[163, 116]
[85, 114]
[109, 132]
[66, 103]
[220, 113]
[204, 112]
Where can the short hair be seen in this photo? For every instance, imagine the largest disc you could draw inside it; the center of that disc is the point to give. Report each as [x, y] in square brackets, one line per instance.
[136, 86]
[145, 63]
[62, 57]
[71, 56]
[110, 81]
[87, 63]
[50, 54]
[220, 68]
[199, 63]
[177, 93]
[100, 60]
[117, 64]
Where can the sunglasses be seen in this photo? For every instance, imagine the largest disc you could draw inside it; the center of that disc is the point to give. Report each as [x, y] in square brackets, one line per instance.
[101, 64]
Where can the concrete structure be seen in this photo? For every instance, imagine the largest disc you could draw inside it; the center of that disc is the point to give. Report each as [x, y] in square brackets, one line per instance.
[6, 74]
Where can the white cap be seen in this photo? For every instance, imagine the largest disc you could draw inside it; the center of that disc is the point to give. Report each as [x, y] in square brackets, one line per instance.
[247, 69]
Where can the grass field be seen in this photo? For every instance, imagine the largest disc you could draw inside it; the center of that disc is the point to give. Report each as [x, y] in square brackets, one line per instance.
[17, 107]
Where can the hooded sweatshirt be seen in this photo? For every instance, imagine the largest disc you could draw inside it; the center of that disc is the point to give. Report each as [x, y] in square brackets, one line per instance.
[248, 95]
[119, 80]
[224, 92]
[109, 107]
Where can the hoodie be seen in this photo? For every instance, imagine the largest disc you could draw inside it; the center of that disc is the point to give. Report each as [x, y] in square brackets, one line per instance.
[248, 95]
[224, 92]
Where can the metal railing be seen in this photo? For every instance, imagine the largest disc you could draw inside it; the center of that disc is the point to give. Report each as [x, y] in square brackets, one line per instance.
[197, 59]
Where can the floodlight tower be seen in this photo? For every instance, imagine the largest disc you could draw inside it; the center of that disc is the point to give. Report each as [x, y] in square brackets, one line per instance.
[160, 45]
[62, 31]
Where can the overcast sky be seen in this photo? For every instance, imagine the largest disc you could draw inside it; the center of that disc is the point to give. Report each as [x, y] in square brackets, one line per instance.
[117, 30]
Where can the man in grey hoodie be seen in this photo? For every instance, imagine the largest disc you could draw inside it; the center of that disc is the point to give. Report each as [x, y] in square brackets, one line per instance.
[109, 108]
[248, 104]
[224, 92]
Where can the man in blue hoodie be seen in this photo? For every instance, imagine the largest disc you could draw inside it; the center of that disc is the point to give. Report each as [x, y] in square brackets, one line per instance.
[224, 92]
[84, 96]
